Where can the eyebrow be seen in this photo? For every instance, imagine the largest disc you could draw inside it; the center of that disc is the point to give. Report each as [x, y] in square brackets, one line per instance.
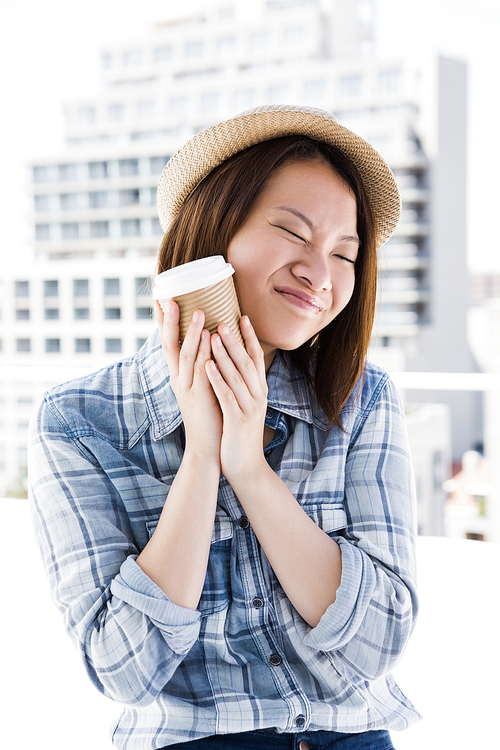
[308, 222]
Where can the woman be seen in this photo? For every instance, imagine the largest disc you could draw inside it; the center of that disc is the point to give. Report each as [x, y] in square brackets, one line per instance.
[228, 529]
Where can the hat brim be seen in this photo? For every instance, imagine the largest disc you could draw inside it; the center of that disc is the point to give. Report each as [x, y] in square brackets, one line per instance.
[210, 147]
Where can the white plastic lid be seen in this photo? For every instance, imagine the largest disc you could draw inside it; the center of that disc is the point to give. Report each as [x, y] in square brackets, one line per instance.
[192, 276]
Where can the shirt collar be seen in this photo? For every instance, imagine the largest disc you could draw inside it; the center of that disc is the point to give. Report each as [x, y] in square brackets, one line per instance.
[289, 391]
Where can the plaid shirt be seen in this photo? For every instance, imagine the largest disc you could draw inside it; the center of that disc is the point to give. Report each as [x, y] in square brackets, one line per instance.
[104, 450]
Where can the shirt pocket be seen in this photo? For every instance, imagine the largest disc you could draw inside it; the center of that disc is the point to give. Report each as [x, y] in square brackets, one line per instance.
[330, 517]
[217, 587]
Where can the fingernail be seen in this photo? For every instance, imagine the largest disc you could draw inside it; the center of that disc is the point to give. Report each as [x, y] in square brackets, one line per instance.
[167, 308]
[226, 330]
[195, 317]
[246, 321]
[218, 340]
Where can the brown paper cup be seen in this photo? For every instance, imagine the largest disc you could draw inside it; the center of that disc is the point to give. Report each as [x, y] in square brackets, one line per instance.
[219, 303]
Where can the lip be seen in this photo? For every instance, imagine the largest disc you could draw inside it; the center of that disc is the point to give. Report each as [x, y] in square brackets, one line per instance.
[300, 298]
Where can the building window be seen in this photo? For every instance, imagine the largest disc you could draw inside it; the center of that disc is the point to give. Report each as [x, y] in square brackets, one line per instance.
[82, 346]
[163, 53]
[22, 288]
[23, 314]
[42, 203]
[112, 313]
[278, 94]
[225, 13]
[42, 232]
[106, 60]
[69, 201]
[68, 172]
[225, 45]
[143, 313]
[210, 103]
[81, 313]
[142, 286]
[70, 230]
[140, 342]
[389, 81]
[156, 228]
[86, 115]
[24, 402]
[129, 197]
[116, 112]
[99, 228]
[52, 346]
[98, 170]
[80, 287]
[113, 346]
[132, 57]
[111, 287]
[177, 107]
[50, 288]
[194, 48]
[243, 99]
[156, 164]
[351, 86]
[146, 109]
[23, 346]
[98, 199]
[293, 36]
[51, 313]
[41, 174]
[130, 227]
[314, 91]
[128, 167]
[259, 40]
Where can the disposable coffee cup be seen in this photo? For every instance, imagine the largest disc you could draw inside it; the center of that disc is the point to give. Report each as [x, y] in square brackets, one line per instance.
[206, 284]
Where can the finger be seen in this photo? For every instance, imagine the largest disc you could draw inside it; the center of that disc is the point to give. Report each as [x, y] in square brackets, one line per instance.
[190, 347]
[204, 354]
[252, 345]
[225, 395]
[235, 362]
[240, 375]
[168, 325]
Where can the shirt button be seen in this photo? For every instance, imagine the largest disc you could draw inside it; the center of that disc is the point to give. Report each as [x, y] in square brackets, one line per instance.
[244, 523]
[268, 453]
[300, 721]
[275, 660]
[269, 414]
[257, 602]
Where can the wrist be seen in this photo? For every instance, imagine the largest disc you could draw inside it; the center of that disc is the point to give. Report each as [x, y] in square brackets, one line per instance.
[202, 458]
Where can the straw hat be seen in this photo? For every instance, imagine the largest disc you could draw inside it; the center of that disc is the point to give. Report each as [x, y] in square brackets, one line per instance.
[209, 148]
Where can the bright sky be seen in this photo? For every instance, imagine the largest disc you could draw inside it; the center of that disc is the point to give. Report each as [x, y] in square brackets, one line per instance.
[48, 52]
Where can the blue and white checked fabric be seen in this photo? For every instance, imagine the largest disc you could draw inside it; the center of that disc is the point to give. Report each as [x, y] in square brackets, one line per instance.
[103, 452]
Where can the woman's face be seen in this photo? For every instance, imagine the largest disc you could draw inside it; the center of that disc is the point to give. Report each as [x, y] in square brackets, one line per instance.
[294, 256]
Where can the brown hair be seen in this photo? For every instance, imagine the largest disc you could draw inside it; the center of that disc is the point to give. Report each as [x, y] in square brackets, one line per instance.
[218, 207]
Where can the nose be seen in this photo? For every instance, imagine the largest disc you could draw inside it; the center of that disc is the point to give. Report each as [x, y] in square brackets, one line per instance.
[314, 272]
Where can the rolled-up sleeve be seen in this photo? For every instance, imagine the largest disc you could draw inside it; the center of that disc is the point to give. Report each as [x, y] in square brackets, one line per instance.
[131, 637]
[366, 629]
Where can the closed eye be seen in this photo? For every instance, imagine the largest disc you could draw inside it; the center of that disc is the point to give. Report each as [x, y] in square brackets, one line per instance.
[290, 232]
[343, 257]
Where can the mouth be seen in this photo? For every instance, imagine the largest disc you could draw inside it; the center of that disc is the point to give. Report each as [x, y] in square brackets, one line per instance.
[300, 299]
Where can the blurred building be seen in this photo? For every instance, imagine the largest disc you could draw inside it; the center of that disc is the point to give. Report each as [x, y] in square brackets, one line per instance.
[96, 232]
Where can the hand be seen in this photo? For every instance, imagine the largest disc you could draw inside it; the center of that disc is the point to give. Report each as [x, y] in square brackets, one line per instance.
[239, 381]
[187, 365]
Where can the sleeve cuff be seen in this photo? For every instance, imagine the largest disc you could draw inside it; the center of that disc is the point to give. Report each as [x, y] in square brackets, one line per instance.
[343, 618]
[179, 626]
